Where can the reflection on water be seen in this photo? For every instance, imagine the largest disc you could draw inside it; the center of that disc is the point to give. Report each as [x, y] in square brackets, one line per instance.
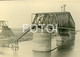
[25, 50]
[15, 53]
[41, 54]
[62, 53]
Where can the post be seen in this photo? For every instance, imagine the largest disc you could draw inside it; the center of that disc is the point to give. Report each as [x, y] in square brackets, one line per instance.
[63, 8]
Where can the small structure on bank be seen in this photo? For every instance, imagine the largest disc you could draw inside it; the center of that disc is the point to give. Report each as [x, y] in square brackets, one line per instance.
[5, 33]
[4, 29]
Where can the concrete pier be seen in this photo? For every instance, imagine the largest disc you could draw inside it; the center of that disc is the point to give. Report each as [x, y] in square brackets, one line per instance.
[41, 41]
[65, 40]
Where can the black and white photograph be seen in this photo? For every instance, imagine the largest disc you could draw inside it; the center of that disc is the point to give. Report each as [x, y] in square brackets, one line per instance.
[39, 28]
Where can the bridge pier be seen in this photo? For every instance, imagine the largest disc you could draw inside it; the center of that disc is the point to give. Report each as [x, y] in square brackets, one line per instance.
[42, 41]
[63, 42]
[65, 39]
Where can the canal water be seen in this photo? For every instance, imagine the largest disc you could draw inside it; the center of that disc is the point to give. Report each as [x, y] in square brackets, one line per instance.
[25, 50]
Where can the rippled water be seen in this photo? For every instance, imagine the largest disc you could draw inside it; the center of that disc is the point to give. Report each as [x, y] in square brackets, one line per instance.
[25, 50]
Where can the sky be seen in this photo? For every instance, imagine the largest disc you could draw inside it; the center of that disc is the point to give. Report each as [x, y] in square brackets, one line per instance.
[19, 12]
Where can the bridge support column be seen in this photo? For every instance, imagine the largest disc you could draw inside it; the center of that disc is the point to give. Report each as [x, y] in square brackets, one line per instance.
[41, 41]
[63, 40]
